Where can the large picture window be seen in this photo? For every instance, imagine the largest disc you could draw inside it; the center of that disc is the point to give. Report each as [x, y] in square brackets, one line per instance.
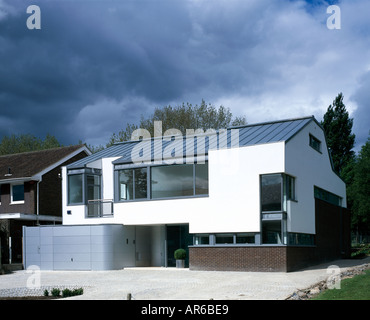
[161, 182]
[172, 181]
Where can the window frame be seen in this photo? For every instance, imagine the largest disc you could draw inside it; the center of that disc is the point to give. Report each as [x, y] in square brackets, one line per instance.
[212, 239]
[84, 173]
[315, 143]
[273, 217]
[12, 201]
[149, 167]
[118, 185]
[327, 196]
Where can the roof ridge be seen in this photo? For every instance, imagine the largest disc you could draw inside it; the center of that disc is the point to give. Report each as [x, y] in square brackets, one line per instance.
[271, 122]
[42, 150]
[228, 128]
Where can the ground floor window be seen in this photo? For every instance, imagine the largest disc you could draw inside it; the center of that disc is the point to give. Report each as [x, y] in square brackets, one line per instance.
[301, 239]
[327, 196]
[224, 239]
[272, 232]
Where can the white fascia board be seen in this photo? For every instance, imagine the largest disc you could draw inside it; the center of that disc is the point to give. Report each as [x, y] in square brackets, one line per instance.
[31, 217]
[18, 180]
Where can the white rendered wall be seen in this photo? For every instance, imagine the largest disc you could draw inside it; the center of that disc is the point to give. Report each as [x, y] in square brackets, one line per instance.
[233, 204]
[310, 168]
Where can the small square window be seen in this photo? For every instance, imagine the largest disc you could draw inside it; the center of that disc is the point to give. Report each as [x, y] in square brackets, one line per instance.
[315, 143]
[17, 193]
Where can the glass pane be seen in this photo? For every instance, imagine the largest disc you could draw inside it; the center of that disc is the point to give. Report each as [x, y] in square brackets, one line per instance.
[290, 188]
[75, 188]
[172, 181]
[201, 178]
[224, 239]
[141, 183]
[93, 179]
[271, 232]
[18, 192]
[315, 143]
[271, 192]
[241, 238]
[201, 239]
[327, 196]
[93, 187]
[126, 184]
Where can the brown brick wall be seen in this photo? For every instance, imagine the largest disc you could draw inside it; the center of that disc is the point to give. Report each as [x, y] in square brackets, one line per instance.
[50, 201]
[256, 258]
[29, 205]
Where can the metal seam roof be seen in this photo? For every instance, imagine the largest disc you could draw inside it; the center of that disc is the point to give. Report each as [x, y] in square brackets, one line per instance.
[253, 134]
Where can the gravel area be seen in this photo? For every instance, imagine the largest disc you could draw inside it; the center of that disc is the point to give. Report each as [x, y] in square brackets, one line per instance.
[170, 283]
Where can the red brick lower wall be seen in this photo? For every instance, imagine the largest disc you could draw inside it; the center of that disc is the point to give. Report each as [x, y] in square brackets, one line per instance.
[259, 258]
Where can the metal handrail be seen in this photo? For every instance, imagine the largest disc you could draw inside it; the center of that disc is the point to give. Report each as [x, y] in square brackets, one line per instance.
[96, 208]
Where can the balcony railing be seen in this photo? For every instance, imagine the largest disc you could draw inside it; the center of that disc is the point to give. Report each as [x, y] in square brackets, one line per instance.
[99, 208]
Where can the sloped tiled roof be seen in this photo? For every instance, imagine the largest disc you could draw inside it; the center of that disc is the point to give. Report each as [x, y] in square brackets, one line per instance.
[28, 164]
[252, 134]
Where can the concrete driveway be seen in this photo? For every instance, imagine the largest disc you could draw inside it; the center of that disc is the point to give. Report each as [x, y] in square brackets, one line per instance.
[171, 283]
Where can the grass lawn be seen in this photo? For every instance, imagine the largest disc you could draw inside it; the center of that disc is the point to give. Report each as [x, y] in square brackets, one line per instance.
[356, 288]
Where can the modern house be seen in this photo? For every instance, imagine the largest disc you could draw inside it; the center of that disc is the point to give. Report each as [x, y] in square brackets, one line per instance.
[31, 193]
[260, 197]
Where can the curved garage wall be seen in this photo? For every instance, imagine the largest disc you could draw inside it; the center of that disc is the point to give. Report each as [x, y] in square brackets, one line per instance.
[88, 247]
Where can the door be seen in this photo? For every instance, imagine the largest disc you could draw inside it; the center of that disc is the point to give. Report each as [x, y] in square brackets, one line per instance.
[31, 245]
[178, 237]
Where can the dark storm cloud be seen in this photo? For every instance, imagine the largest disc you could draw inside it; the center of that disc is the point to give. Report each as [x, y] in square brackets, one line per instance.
[96, 65]
[87, 51]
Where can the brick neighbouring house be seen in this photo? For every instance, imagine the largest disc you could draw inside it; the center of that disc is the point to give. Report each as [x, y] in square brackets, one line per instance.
[260, 197]
[31, 193]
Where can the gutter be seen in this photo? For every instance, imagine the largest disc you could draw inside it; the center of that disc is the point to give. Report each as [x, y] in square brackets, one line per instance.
[37, 203]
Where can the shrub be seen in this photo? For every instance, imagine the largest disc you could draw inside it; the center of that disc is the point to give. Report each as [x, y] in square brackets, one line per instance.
[55, 292]
[362, 251]
[70, 293]
[180, 254]
[46, 293]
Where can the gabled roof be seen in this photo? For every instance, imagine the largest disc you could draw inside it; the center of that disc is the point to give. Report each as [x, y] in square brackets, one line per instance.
[253, 134]
[27, 165]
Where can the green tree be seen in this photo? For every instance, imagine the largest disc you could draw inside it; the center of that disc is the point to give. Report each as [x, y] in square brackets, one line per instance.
[185, 116]
[338, 128]
[25, 143]
[359, 191]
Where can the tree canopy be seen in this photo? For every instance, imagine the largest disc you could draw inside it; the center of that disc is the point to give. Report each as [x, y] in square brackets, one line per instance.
[359, 190]
[338, 129]
[25, 143]
[182, 117]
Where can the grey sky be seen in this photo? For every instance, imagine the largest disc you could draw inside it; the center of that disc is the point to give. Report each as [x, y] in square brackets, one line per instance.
[96, 65]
